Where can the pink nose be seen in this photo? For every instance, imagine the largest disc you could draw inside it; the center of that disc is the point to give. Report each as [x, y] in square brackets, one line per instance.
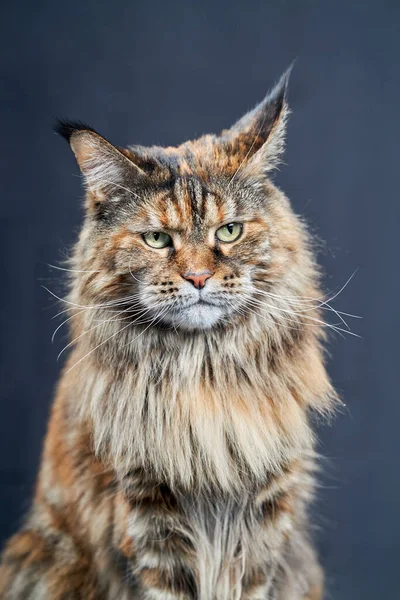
[198, 279]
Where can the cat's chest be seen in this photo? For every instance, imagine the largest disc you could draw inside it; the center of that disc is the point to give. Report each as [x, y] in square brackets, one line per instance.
[208, 546]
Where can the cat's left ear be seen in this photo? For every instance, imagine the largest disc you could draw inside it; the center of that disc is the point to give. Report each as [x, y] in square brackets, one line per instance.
[256, 142]
[106, 169]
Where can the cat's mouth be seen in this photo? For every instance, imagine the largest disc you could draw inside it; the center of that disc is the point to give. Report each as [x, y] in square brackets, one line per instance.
[197, 314]
[201, 301]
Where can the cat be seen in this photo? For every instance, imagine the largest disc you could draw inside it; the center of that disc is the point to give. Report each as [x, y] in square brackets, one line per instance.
[179, 461]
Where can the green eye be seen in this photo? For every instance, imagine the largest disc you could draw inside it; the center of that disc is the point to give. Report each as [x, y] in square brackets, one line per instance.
[229, 233]
[157, 239]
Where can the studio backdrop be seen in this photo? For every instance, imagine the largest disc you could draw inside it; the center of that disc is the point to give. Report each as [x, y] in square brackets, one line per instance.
[159, 73]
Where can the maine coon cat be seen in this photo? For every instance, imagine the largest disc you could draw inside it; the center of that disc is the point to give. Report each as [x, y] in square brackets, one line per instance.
[179, 461]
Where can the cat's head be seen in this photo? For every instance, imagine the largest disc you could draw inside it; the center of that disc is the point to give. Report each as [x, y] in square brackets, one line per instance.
[193, 236]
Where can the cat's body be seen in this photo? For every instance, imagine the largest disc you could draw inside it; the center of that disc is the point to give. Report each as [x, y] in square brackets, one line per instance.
[179, 459]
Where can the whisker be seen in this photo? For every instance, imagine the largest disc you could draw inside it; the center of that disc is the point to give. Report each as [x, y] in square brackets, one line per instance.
[318, 322]
[96, 347]
[63, 323]
[106, 304]
[102, 322]
[323, 305]
[70, 270]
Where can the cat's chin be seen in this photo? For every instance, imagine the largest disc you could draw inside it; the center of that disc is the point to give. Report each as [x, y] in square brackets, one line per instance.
[196, 316]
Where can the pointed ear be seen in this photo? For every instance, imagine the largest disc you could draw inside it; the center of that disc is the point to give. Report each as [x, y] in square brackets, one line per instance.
[106, 168]
[256, 142]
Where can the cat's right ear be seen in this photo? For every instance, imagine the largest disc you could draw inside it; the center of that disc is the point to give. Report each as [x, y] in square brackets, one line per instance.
[106, 169]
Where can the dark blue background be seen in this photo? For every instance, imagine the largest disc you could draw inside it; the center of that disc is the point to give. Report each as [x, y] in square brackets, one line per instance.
[162, 72]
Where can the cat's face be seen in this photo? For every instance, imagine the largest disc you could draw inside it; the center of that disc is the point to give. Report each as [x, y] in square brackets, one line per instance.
[183, 236]
[190, 251]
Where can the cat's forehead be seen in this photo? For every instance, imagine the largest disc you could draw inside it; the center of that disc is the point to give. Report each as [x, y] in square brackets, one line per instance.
[189, 203]
[190, 188]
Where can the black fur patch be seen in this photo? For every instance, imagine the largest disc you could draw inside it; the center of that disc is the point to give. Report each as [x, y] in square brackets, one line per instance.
[67, 128]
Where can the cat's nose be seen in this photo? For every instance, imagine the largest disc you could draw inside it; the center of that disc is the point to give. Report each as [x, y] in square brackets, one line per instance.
[198, 278]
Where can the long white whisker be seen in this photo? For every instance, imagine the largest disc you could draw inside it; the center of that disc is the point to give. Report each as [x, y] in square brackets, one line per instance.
[343, 286]
[292, 314]
[63, 323]
[104, 305]
[70, 270]
[157, 317]
[300, 306]
[98, 346]
[301, 300]
[102, 322]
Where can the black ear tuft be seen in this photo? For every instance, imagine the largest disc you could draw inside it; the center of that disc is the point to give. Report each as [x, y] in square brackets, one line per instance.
[67, 128]
[279, 93]
[277, 98]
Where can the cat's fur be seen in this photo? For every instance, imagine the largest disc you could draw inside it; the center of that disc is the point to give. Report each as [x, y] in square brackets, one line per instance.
[179, 460]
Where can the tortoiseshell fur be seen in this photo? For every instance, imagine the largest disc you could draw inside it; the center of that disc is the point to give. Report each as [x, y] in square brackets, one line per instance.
[179, 461]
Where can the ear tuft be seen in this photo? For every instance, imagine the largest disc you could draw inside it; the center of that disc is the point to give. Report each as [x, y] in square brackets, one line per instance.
[279, 92]
[67, 128]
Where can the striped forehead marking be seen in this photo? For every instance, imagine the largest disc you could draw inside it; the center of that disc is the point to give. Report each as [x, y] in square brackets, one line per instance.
[180, 199]
[214, 212]
[190, 206]
[195, 203]
[173, 214]
[184, 201]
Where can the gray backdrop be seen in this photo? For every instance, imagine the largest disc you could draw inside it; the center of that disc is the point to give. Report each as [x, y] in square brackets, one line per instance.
[162, 72]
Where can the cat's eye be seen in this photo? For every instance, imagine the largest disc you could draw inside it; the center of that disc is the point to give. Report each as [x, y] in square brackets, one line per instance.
[157, 239]
[229, 233]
